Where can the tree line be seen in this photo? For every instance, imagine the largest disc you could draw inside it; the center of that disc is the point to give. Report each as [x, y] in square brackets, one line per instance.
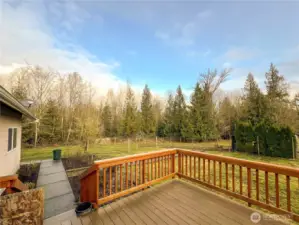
[69, 112]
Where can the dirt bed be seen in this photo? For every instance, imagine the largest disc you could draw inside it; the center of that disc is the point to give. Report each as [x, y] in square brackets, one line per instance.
[78, 161]
[28, 174]
[77, 164]
[75, 184]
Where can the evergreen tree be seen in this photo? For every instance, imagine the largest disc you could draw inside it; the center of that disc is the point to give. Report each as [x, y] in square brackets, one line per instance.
[107, 121]
[208, 115]
[254, 101]
[275, 84]
[195, 114]
[168, 121]
[50, 124]
[179, 113]
[147, 115]
[158, 112]
[227, 115]
[129, 125]
[277, 96]
[20, 92]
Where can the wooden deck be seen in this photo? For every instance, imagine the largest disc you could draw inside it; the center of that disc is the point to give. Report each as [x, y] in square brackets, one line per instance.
[173, 202]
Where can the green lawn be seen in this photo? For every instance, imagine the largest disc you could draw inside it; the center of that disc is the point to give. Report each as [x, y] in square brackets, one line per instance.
[112, 150]
[104, 151]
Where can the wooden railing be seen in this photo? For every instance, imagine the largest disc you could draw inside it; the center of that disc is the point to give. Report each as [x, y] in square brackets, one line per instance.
[109, 179]
[253, 182]
[12, 184]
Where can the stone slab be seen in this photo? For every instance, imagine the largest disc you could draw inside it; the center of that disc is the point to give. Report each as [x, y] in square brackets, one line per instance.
[59, 197]
[51, 169]
[57, 189]
[49, 163]
[58, 205]
[30, 162]
[51, 178]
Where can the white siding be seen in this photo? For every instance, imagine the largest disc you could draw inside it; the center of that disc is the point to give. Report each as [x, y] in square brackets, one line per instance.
[9, 160]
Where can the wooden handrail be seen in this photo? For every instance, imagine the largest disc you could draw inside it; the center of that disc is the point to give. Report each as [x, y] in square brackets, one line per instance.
[12, 184]
[123, 175]
[109, 179]
[250, 173]
[284, 170]
[126, 159]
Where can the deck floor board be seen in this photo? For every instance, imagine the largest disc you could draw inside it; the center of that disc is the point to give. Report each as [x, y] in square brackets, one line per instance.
[171, 203]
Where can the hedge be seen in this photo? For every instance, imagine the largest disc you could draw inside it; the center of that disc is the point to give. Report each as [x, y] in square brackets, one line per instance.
[272, 140]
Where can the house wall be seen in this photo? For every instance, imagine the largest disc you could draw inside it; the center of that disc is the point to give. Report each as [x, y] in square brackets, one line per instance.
[9, 160]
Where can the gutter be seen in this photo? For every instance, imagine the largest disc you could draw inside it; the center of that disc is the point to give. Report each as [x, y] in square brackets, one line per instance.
[12, 102]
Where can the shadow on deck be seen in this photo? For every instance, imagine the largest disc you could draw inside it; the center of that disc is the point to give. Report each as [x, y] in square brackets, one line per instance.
[173, 202]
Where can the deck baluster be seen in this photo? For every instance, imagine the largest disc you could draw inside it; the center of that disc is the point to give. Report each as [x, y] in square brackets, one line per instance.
[267, 187]
[257, 184]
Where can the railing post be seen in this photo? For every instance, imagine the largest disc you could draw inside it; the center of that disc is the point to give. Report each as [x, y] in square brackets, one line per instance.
[173, 163]
[179, 163]
[89, 188]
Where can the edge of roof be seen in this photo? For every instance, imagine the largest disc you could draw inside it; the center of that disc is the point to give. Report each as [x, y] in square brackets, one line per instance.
[12, 102]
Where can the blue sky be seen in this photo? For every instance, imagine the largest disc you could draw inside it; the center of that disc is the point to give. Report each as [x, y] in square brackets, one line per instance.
[161, 43]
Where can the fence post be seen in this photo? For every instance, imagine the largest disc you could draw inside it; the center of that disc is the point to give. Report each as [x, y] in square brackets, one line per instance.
[258, 145]
[293, 148]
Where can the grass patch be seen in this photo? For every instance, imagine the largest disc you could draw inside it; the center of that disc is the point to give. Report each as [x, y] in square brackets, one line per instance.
[104, 151]
[211, 176]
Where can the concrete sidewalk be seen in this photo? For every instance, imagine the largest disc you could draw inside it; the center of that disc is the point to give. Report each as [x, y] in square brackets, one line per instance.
[59, 196]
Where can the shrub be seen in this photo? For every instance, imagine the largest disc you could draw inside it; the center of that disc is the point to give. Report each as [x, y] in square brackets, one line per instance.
[272, 140]
[244, 134]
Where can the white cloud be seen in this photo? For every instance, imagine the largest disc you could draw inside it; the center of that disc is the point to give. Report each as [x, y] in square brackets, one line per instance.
[132, 52]
[162, 35]
[240, 53]
[204, 14]
[26, 37]
[69, 14]
[294, 88]
[184, 33]
[227, 65]
[198, 54]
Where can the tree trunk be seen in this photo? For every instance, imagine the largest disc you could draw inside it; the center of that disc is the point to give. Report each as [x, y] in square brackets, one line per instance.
[86, 145]
[62, 130]
[68, 133]
[36, 134]
[129, 145]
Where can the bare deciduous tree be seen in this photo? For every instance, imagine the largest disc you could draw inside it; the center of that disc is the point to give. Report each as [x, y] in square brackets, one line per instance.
[211, 80]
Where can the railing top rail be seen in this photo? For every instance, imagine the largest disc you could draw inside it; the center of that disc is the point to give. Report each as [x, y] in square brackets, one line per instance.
[9, 178]
[280, 169]
[12, 181]
[126, 159]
